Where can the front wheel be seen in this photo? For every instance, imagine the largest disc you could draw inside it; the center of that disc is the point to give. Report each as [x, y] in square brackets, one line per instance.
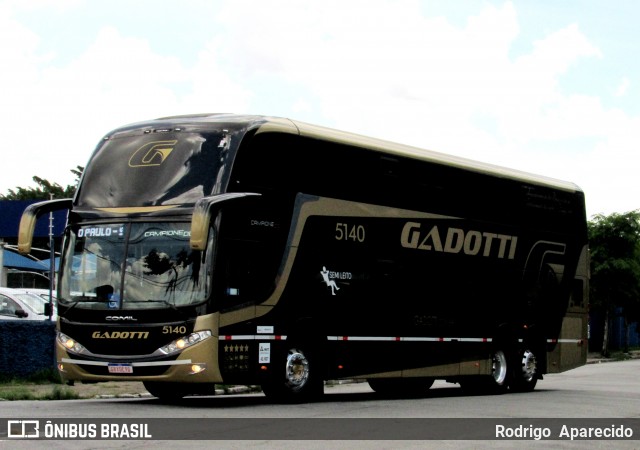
[299, 381]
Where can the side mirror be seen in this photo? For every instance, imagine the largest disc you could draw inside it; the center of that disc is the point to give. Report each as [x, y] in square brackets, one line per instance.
[30, 216]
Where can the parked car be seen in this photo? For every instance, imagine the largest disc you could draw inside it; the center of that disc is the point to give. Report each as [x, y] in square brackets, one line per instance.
[17, 304]
[44, 295]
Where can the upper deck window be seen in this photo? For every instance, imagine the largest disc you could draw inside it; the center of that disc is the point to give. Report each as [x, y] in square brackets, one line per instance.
[154, 169]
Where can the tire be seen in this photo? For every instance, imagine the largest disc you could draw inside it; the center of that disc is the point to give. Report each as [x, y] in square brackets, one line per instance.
[524, 371]
[296, 376]
[401, 387]
[497, 382]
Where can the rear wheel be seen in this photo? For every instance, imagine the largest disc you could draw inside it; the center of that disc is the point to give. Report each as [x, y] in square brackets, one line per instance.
[525, 371]
[296, 376]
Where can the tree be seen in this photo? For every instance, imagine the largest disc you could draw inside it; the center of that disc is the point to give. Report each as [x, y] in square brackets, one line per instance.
[614, 243]
[45, 190]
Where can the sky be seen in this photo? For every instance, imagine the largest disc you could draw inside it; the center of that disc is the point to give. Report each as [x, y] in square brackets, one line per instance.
[545, 86]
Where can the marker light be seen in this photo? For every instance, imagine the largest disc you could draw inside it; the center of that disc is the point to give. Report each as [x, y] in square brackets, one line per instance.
[69, 343]
[197, 368]
[185, 342]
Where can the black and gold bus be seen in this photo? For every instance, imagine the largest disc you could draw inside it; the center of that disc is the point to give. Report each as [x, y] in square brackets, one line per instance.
[218, 248]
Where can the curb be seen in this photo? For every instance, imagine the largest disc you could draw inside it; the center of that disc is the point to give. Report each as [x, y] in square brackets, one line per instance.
[232, 390]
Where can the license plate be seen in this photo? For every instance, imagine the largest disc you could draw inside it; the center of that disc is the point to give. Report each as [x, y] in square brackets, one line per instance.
[120, 368]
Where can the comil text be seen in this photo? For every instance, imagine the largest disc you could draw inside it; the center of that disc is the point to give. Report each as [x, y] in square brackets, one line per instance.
[457, 240]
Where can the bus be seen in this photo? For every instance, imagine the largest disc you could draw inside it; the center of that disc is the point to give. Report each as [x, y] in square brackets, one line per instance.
[253, 250]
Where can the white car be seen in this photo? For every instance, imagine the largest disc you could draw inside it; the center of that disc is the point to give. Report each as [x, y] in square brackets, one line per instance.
[18, 304]
[44, 295]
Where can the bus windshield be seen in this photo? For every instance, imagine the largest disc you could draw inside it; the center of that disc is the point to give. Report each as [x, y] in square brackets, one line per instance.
[133, 266]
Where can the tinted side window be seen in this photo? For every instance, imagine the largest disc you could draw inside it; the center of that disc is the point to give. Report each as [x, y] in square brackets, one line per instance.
[7, 306]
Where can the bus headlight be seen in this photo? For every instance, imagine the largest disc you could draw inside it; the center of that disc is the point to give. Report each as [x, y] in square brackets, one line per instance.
[69, 343]
[185, 342]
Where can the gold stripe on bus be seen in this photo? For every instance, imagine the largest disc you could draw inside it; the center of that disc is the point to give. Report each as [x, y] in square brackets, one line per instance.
[307, 206]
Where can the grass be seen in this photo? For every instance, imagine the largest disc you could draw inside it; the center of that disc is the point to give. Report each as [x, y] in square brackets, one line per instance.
[14, 392]
[62, 393]
[620, 355]
[26, 388]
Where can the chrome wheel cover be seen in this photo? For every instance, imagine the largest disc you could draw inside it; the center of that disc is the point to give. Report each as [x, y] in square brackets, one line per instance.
[297, 370]
[499, 367]
[529, 366]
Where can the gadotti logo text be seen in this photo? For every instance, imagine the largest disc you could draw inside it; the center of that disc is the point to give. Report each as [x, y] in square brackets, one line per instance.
[120, 334]
[457, 240]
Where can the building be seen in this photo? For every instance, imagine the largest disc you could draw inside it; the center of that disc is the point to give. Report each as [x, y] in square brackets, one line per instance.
[33, 271]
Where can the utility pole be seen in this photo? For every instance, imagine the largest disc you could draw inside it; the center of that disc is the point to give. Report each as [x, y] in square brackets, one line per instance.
[52, 262]
[3, 277]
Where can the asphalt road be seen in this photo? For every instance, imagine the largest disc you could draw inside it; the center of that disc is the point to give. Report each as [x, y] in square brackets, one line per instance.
[351, 415]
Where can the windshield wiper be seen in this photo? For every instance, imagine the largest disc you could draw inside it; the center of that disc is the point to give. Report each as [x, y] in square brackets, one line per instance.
[164, 302]
[85, 299]
[94, 300]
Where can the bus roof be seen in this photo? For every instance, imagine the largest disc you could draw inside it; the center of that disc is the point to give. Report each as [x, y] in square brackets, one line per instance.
[268, 124]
